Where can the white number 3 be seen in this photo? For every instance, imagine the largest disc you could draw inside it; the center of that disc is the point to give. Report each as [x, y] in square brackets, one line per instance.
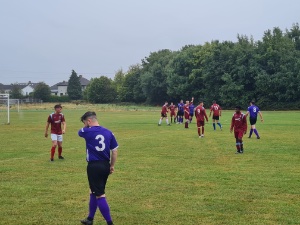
[101, 146]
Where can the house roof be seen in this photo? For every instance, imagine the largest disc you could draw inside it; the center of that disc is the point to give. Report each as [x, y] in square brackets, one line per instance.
[83, 82]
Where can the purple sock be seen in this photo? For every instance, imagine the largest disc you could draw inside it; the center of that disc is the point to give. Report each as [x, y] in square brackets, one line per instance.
[104, 209]
[251, 131]
[92, 206]
[255, 131]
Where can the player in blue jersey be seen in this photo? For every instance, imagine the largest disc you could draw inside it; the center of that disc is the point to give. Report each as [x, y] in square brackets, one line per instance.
[253, 110]
[180, 112]
[192, 109]
[101, 155]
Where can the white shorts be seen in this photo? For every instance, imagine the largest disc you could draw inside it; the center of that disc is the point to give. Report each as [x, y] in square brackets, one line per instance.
[56, 137]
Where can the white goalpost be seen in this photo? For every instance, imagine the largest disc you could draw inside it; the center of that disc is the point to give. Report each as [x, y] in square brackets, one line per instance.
[4, 109]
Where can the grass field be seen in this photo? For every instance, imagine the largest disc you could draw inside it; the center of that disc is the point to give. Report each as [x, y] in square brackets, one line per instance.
[164, 175]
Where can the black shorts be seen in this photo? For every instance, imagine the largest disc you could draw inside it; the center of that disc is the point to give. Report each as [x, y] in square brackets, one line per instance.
[97, 172]
[216, 117]
[164, 115]
[180, 113]
[252, 120]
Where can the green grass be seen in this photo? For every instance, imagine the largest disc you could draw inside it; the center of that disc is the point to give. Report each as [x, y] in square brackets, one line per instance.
[164, 175]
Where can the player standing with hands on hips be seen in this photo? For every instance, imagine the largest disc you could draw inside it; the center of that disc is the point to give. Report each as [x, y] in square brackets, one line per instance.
[56, 119]
[101, 156]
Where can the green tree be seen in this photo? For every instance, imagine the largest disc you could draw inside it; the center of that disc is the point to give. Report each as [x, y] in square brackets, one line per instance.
[74, 89]
[154, 76]
[101, 90]
[16, 92]
[42, 91]
[118, 83]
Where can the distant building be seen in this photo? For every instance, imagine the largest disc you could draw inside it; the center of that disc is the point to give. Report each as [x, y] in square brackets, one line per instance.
[26, 88]
[60, 89]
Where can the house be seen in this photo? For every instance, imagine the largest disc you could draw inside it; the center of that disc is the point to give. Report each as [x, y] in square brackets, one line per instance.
[26, 88]
[60, 89]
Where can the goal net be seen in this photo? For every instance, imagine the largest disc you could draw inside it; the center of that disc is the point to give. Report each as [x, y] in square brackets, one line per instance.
[4, 109]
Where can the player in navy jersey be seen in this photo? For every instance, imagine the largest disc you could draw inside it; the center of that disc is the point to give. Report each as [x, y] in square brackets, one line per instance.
[253, 110]
[57, 120]
[180, 112]
[239, 124]
[101, 155]
[192, 109]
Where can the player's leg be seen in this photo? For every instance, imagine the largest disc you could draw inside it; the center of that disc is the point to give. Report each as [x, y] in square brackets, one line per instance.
[167, 121]
[214, 124]
[219, 124]
[256, 132]
[237, 142]
[59, 144]
[54, 144]
[159, 122]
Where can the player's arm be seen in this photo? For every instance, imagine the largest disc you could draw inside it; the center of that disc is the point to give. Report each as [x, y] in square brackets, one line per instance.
[232, 124]
[46, 130]
[261, 117]
[205, 116]
[113, 160]
[245, 124]
[64, 127]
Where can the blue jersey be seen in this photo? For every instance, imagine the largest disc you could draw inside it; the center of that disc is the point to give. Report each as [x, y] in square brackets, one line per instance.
[253, 110]
[99, 142]
[191, 107]
[180, 107]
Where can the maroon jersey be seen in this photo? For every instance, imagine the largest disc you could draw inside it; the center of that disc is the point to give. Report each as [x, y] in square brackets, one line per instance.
[186, 109]
[239, 122]
[215, 108]
[164, 109]
[200, 113]
[172, 109]
[55, 120]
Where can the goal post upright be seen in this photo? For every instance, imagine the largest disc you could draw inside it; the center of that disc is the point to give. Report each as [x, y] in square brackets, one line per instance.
[6, 101]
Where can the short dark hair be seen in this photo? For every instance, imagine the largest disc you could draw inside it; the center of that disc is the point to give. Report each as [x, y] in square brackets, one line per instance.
[252, 102]
[87, 115]
[57, 106]
[214, 101]
[238, 107]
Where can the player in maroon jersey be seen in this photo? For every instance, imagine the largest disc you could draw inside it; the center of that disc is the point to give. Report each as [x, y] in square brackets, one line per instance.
[217, 112]
[164, 114]
[200, 114]
[172, 108]
[239, 124]
[56, 119]
[186, 109]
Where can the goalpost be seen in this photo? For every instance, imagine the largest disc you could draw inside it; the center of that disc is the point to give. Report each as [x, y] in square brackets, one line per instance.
[4, 109]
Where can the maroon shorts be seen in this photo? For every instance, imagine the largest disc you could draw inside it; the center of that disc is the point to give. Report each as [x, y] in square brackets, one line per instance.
[200, 123]
[186, 115]
[239, 134]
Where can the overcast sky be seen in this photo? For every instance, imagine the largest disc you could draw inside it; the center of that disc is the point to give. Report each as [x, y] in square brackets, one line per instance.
[44, 40]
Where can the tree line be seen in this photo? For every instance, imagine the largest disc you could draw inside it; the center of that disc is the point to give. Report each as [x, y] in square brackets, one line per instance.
[232, 73]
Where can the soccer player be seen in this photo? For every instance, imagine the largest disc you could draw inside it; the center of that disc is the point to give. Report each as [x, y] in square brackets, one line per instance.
[101, 156]
[239, 124]
[192, 109]
[200, 114]
[253, 110]
[180, 112]
[217, 112]
[164, 114]
[186, 109]
[56, 119]
[172, 108]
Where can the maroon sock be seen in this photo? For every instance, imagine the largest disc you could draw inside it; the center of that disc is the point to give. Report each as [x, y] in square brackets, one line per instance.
[59, 151]
[52, 152]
